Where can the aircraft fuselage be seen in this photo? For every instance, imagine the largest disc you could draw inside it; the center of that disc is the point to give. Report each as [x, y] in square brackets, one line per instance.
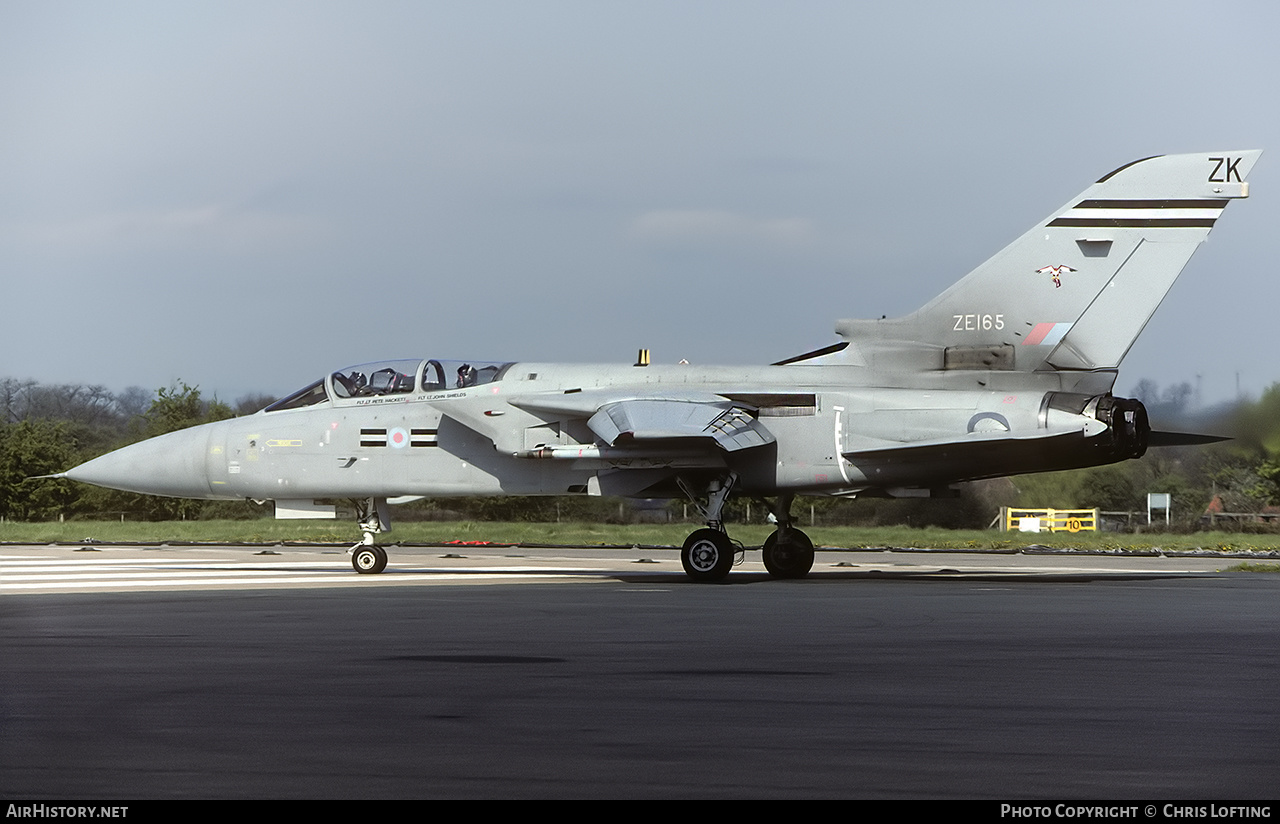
[526, 434]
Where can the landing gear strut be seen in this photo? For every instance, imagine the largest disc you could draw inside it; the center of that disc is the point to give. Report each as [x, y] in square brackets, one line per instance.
[788, 552]
[708, 553]
[367, 557]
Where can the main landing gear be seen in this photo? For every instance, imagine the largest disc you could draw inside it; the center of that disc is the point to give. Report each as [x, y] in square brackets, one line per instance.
[708, 554]
[367, 557]
[788, 552]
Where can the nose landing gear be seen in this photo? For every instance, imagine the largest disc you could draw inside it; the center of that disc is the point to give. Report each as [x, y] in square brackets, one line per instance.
[367, 557]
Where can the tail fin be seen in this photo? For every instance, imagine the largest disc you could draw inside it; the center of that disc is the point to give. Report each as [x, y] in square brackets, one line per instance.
[1075, 291]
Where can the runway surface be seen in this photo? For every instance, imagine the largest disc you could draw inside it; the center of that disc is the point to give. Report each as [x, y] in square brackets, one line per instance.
[216, 672]
[105, 568]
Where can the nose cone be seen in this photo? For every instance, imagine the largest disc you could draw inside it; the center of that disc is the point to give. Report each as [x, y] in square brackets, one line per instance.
[173, 464]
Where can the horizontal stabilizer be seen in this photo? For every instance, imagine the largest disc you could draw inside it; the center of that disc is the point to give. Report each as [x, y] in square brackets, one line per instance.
[939, 462]
[976, 444]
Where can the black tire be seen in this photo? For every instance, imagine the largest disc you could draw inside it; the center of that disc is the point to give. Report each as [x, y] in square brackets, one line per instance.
[707, 555]
[793, 559]
[369, 559]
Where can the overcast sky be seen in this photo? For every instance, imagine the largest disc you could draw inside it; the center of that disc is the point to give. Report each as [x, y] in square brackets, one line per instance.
[244, 196]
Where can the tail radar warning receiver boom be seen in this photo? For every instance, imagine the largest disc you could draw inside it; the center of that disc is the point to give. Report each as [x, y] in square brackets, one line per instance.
[1008, 371]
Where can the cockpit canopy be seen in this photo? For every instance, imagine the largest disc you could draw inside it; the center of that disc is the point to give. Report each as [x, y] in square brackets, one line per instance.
[399, 377]
[371, 379]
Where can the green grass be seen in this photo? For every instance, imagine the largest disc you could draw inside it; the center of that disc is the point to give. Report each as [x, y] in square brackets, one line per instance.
[1249, 567]
[342, 532]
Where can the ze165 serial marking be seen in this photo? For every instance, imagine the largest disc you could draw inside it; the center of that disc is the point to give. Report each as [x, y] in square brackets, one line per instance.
[978, 322]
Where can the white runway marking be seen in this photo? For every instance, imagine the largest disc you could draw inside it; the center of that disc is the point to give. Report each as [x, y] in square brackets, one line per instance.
[28, 573]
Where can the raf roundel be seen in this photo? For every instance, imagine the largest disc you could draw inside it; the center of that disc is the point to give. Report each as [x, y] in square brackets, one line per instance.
[398, 438]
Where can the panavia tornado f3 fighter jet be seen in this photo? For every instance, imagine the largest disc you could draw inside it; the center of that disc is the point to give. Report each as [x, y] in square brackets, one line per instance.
[1008, 371]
